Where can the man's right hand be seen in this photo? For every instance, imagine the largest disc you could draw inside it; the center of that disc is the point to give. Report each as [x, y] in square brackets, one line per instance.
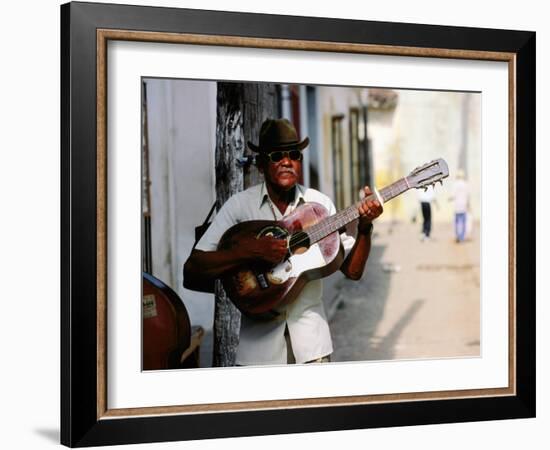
[203, 267]
[267, 249]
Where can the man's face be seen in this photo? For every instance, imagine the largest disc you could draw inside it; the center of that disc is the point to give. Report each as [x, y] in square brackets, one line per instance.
[284, 174]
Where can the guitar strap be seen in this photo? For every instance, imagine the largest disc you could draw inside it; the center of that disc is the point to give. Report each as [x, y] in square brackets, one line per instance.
[201, 229]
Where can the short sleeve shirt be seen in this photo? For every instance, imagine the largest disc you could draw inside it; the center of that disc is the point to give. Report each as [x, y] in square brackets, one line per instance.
[460, 194]
[263, 342]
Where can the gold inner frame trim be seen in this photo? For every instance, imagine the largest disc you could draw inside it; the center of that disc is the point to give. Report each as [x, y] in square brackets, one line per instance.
[103, 36]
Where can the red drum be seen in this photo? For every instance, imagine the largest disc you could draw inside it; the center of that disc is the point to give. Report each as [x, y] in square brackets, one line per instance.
[166, 328]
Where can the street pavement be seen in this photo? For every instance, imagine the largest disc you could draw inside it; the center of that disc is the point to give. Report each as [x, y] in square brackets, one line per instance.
[417, 299]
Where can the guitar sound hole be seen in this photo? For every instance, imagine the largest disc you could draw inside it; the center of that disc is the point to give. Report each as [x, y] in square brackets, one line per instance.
[276, 232]
[299, 243]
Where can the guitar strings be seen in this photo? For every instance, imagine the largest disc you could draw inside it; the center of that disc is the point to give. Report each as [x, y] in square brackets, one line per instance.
[319, 232]
[322, 228]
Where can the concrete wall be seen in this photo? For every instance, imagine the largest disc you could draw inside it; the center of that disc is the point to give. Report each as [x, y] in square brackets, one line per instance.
[182, 133]
[333, 101]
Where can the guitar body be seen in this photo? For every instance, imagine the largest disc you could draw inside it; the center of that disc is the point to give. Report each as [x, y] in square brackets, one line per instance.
[260, 290]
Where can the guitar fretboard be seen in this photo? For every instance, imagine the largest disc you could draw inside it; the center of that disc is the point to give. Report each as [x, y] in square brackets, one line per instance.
[394, 189]
[342, 218]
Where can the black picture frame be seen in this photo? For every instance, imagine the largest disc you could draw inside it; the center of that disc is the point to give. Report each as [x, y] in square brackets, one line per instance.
[82, 421]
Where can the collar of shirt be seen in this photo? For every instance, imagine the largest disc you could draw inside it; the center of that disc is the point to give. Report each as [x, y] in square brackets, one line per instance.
[299, 198]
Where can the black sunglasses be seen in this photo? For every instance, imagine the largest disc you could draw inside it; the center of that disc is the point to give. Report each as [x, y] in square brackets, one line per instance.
[294, 155]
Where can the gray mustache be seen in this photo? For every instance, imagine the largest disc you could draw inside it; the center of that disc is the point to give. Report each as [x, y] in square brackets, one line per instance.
[291, 171]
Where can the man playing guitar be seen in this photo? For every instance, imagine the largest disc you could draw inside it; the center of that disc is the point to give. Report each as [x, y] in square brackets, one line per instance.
[301, 333]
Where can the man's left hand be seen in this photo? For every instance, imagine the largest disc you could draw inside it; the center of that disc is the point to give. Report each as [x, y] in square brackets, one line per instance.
[369, 209]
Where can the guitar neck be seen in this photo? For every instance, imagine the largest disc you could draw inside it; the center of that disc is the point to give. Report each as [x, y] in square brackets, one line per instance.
[342, 218]
[394, 189]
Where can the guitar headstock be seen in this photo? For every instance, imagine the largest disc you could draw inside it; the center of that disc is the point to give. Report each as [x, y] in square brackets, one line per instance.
[428, 174]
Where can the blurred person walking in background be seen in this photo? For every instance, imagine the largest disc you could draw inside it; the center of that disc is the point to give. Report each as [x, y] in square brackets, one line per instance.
[426, 197]
[461, 198]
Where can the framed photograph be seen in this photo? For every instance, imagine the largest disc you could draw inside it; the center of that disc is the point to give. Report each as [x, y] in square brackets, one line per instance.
[386, 160]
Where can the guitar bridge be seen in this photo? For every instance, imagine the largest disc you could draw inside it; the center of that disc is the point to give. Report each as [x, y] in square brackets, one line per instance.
[263, 282]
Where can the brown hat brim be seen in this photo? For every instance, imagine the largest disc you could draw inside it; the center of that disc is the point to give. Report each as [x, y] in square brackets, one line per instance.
[292, 145]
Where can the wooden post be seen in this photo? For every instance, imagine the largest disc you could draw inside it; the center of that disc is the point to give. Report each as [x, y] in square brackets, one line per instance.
[241, 109]
[261, 102]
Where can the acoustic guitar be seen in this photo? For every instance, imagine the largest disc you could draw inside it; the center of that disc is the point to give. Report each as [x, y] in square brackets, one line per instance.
[314, 248]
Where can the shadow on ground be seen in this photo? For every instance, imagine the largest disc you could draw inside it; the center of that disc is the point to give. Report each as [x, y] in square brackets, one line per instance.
[360, 307]
[49, 434]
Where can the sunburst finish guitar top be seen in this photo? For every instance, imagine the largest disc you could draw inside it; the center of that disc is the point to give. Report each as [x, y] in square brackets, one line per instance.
[262, 290]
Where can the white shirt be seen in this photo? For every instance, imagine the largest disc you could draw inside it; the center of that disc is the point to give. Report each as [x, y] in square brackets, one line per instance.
[426, 196]
[461, 193]
[263, 342]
